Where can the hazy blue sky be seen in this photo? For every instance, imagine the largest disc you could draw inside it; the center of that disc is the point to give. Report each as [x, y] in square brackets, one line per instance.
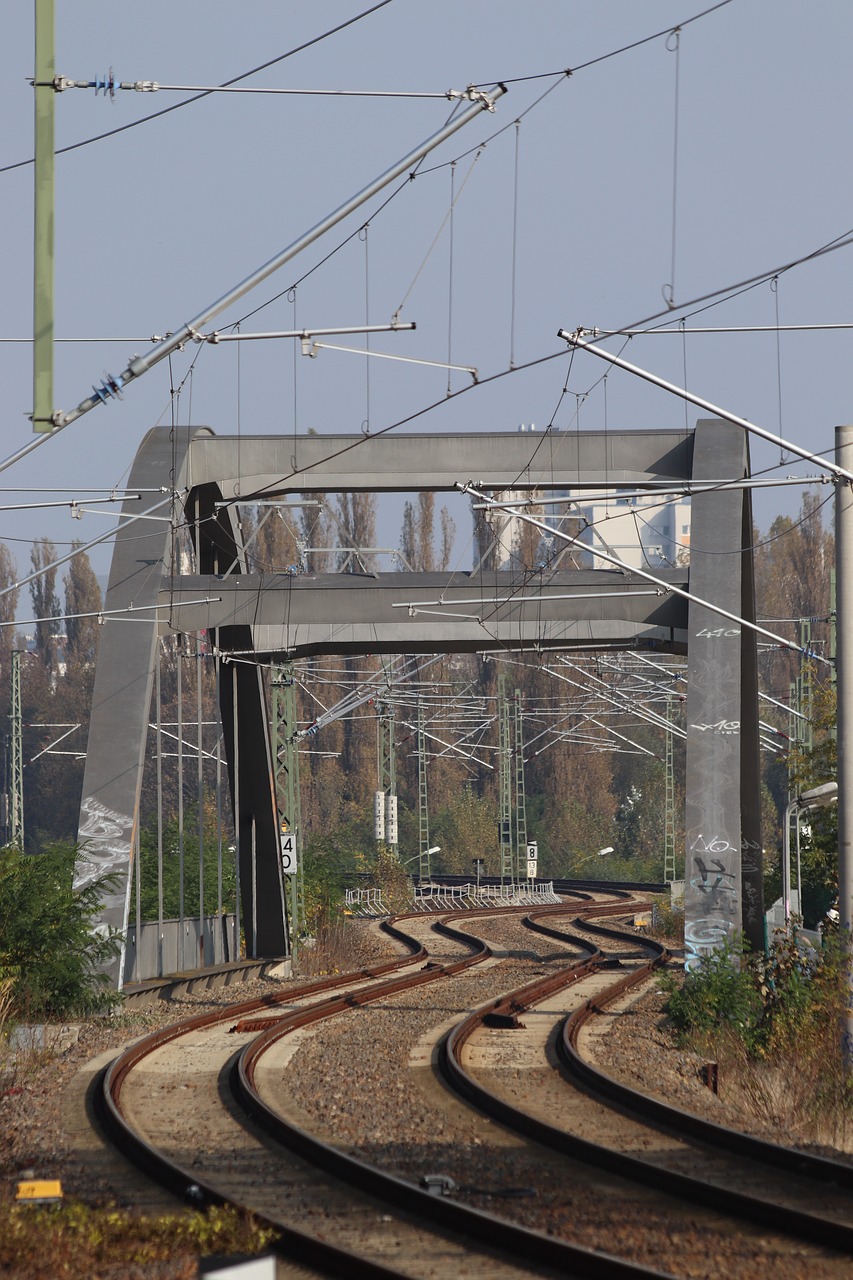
[158, 221]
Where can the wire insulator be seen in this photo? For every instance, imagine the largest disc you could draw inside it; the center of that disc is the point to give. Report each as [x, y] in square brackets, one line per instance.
[109, 389]
[105, 84]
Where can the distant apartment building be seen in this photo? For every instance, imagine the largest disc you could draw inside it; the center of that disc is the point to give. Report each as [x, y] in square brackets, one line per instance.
[642, 530]
[505, 539]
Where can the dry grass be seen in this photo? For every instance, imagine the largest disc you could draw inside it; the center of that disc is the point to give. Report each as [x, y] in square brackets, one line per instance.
[798, 1090]
[340, 946]
[667, 922]
[75, 1240]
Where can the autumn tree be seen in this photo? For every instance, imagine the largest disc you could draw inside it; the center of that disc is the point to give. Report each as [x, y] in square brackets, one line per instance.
[9, 593]
[448, 536]
[82, 600]
[46, 607]
[275, 546]
[357, 530]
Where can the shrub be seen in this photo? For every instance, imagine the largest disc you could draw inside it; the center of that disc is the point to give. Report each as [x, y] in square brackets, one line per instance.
[722, 991]
[772, 1003]
[49, 950]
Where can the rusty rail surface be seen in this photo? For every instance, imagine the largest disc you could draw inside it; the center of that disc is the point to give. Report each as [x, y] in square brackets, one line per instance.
[788, 1221]
[475, 1225]
[802, 1163]
[300, 1246]
[485, 1228]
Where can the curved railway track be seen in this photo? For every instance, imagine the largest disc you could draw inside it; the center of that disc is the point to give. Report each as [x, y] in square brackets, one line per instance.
[233, 1067]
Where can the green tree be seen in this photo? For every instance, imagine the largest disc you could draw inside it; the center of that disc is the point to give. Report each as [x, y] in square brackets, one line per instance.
[48, 946]
[149, 884]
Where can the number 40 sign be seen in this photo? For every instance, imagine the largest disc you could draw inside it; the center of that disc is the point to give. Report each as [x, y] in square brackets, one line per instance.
[288, 853]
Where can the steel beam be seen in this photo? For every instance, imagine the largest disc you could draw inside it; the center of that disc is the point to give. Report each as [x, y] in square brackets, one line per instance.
[269, 466]
[298, 616]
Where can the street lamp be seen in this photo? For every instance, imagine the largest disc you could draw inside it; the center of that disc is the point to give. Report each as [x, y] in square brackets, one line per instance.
[584, 861]
[815, 798]
[436, 848]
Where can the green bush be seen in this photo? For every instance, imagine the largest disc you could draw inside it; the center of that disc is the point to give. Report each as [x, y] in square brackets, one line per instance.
[771, 1003]
[722, 991]
[48, 947]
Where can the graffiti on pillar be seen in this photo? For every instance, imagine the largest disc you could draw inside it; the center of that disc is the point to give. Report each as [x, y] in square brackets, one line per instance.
[707, 634]
[717, 890]
[719, 726]
[750, 854]
[105, 845]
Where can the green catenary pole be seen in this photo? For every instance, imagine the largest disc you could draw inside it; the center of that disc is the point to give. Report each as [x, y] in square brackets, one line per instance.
[16, 798]
[44, 94]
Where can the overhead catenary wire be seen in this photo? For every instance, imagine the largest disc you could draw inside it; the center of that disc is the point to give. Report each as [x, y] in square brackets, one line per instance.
[643, 573]
[614, 53]
[61, 83]
[113, 386]
[101, 614]
[177, 106]
[673, 45]
[576, 340]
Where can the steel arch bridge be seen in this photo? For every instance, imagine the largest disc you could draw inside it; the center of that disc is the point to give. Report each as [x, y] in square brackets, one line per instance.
[286, 616]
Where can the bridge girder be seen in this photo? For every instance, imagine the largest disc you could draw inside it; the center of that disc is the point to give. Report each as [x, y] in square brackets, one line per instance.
[279, 615]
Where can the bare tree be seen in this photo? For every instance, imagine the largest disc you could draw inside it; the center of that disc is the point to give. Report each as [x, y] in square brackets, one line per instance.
[357, 514]
[46, 605]
[448, 536]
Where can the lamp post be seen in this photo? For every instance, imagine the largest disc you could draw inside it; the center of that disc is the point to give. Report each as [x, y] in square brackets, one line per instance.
[815, 798]
[600, 854]
[436, 848]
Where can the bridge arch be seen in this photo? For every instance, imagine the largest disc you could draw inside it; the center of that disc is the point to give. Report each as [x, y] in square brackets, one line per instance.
[290, 616]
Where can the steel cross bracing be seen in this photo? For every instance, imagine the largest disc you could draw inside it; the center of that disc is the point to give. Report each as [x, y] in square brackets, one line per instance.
[423, 802]
[286, 758]
[520, 802]
[16, 762]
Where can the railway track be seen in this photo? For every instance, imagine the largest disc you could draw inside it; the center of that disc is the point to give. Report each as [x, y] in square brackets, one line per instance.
[801, 1194]
[234, 1063]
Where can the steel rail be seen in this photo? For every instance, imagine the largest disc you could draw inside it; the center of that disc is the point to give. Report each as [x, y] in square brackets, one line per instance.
[783, 1218]
[803, 1163]
[485, 1228]
[185, 1183]
[292, 1244]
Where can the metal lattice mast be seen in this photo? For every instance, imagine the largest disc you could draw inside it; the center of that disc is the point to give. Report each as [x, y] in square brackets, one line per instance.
[669, 802]
[520, 799]
[386, 831]
[800, 700]
[505, 782]
[16, 772]
[806, 682]
[423, 806]
[286, 757]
